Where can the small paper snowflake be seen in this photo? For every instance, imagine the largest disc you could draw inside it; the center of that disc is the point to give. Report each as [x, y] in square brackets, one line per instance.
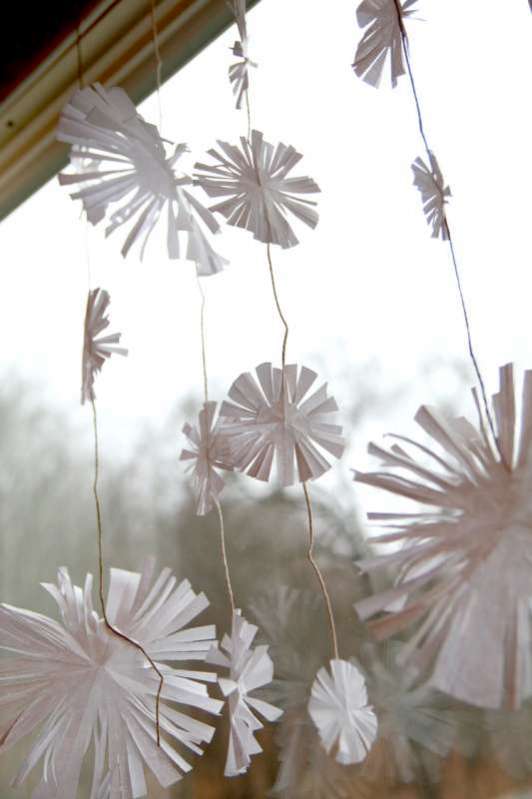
[79, 682]
[208, 453]
[382, 39]
[96, 348]
[249, 669]
[434, 193]
[257, 192]
[339, 708]
[275, 417]
[239, 72]
[465, 564]
[134, 181]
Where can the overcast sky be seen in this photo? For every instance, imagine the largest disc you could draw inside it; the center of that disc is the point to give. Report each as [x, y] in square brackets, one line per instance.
[368, 283]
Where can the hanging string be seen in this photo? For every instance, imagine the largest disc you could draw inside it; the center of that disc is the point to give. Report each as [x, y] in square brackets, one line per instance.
[319, 575]
[224, 555]
[101, 571]
[278, 306]
[248, 113]
[203, 341]
[447, 231]
[158, 62]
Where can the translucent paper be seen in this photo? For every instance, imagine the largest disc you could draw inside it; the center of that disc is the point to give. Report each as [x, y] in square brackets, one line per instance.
[434, 194]
[381, 41]
[207, 454]
[96, 348]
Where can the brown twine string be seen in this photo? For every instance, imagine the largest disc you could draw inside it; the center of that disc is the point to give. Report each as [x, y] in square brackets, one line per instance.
[248, 113]
[319, 575]
[203, 340]
[224, 555]
[109, 626]
[447, 229]
[158, 61]
[278, 306]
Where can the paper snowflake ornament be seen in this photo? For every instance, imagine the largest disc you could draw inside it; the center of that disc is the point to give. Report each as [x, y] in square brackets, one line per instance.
[257, 192]
[239, 72]
[382, 39]
[134, 182]
[96, 348]
[465, 564]
[75, 682]
[278, 418]
[510, 735]
[434, 194]
[207, 454]
[339, 708]
[416, 725]
[249, 668]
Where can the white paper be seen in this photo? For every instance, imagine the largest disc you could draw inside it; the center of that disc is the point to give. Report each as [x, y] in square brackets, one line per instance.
[207, 454]
[257, 192]
[283, 421]
[74, 682]
[465, 563]
[239, 71]
[434, 194]
[249, 668]
[96, 348]
[381, 40]
[133, 182]
[339, 708]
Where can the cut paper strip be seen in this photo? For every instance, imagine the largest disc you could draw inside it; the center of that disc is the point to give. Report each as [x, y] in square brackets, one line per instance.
[434, 194]
[382, 39]
[96, 348]
[339, 708]
[464, 566]
[257, 192]
[272, 418]
[509, 736]
[249, 668]
[75, 682]
[207, 454]
[133, 182]
[239, 72]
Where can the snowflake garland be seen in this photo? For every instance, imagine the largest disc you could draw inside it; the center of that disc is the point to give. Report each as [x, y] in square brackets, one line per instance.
[96, 348]
[257, 192]
[249, 669]
[78, 682]
[272, 418]
[239, 72]
[339, 708]
[434, 194]
[207, 454]
[133, 180]
[465, 566]
[382, 40]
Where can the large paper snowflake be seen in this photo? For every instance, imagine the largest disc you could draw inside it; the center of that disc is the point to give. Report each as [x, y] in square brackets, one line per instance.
[434, 194]
[134, 181]
[382, 40]
[96, 348]
[339, 708]
[249, 669]
[465, 564]
[207, 454]
[257, 192]
[275, 417]
[80, 683]
[239, 72]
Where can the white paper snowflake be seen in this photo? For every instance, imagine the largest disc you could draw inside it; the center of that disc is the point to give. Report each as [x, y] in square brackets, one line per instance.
[239, 72]
[257, 192]
[207, 454]
[134, 182]
[465, 565]
[96, 348]
[339, 708]
[271, 418]
[434, 194]
[382, 40]
[78, 682]
[249, 669]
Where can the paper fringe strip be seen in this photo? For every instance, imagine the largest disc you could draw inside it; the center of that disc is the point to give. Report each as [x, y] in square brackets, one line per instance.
[239, 72]
[96, 348]
[208, 452]
[381, 40]
[434, 194]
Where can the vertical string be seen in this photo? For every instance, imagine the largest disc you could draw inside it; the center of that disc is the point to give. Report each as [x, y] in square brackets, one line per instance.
[319, 575]
[158, 61]
[224, 556]
[101, 571]
[278, 306]
[447, 230]
[203, 341]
